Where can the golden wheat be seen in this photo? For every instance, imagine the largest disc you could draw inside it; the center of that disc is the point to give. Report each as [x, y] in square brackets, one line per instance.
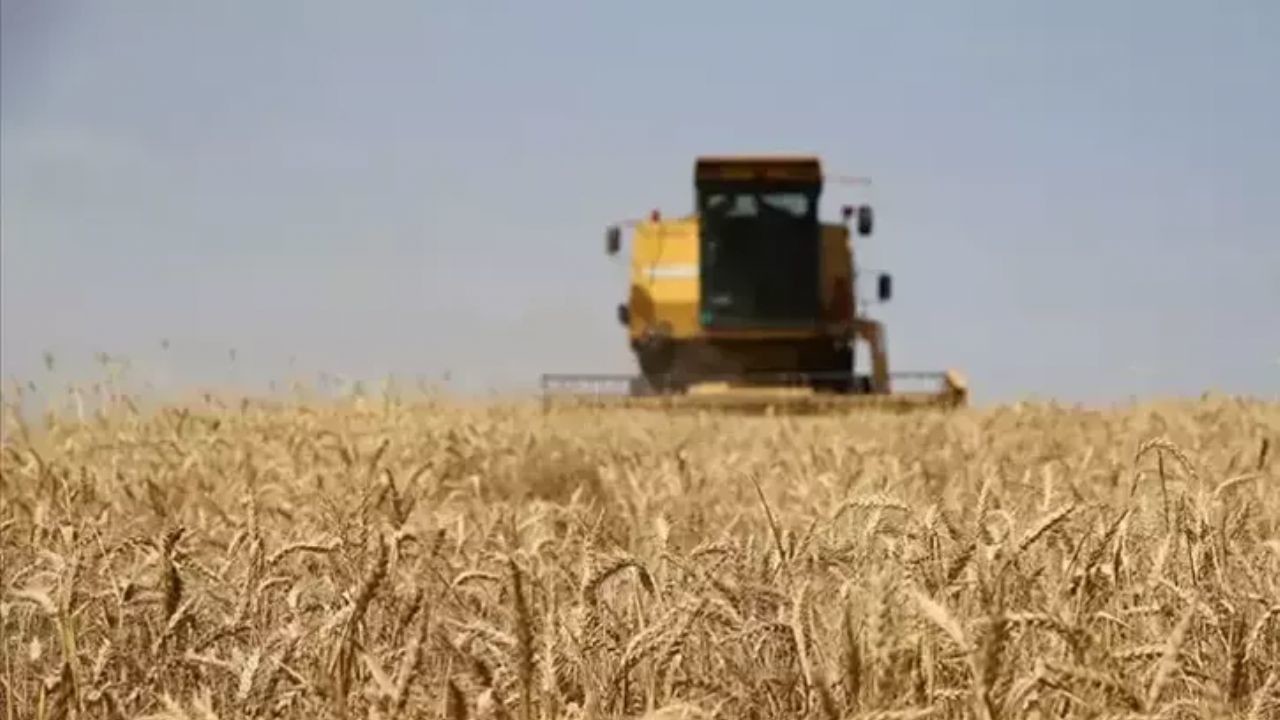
[388, 558]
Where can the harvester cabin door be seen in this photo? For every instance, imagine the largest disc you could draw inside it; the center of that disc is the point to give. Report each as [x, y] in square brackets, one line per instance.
[761, 258]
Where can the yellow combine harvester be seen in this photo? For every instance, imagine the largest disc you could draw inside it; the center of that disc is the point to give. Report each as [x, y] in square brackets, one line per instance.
[751, 302]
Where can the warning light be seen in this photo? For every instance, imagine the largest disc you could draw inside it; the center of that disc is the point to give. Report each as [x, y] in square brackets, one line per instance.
[655, 216]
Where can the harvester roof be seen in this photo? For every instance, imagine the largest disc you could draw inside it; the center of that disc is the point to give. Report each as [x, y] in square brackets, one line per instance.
[794, 168]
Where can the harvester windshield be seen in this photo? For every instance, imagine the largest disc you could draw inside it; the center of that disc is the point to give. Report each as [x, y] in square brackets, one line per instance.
[761, 248]
[750, 203]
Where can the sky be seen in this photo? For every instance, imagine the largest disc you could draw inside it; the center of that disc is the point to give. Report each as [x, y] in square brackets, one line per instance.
[1076, 200]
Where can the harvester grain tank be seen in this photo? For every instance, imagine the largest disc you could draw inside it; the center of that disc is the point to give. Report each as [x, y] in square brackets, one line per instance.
[752, 300]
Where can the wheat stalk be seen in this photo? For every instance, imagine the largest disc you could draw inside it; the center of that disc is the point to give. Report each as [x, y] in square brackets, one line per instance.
[269, 561]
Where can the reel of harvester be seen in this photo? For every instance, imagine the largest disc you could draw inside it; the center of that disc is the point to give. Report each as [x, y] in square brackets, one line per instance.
[767, 393]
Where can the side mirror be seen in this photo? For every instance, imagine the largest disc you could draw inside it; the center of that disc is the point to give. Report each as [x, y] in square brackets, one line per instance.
[613, 240]
[866, 220]
[624, 314]
[884, 288]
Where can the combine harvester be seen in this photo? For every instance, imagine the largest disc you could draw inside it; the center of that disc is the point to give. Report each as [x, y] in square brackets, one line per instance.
[751, 304]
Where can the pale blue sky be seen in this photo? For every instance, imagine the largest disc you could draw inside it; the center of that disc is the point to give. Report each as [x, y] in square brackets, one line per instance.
[1076, 199]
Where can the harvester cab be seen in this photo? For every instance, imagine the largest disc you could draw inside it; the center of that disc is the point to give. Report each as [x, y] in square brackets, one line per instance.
[751, 300]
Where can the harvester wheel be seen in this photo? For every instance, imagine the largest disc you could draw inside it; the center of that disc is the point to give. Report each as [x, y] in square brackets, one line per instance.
[842, 364]
[640, 387]
[657, 357]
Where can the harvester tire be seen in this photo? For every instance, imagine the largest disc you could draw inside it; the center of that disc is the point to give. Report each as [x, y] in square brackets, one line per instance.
[840, 362]
[657, 357]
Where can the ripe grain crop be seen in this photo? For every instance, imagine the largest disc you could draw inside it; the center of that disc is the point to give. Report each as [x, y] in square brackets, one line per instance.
[381, 558]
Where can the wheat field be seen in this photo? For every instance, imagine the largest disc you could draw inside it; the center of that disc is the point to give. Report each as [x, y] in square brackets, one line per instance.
[375, 557]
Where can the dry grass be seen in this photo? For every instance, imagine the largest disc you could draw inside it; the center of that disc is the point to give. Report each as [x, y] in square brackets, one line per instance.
[395, 560]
